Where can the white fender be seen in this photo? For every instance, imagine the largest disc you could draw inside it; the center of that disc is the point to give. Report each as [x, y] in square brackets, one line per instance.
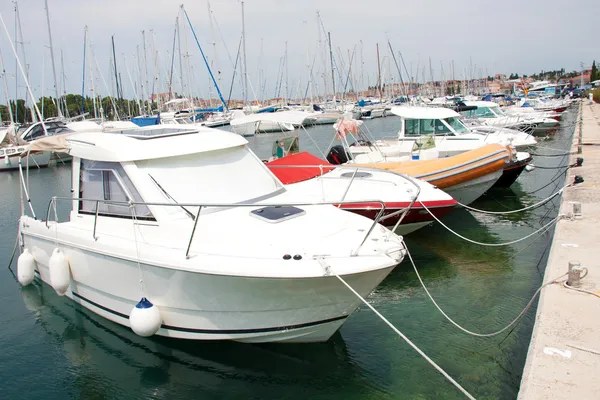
[6, 160]
[145, 319]
[60, 273]
[25, 268]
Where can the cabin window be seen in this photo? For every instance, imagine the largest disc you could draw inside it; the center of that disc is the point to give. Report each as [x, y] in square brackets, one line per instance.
[481, 112]
[36, 132]
[108, 181]
[411, 127]
[419, 127]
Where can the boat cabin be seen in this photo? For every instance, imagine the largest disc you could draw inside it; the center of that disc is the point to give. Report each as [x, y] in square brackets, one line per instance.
[429, 121]
[182, 167]
[484, 109]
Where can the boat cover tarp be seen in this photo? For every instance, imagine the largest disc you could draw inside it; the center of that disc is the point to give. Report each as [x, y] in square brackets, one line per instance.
[10, 138]
[145, 121]
[297, 173]
[57, 143]
[346, 126]
[209, 110]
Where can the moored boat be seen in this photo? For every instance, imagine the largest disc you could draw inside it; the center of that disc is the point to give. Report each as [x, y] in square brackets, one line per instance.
[465, 176]
[314, 179]
[152, 218]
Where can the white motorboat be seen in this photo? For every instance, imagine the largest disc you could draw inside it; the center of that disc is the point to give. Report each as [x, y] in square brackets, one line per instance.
[11, 155]
[545, 105]
[15, 146]
[282, 121]
[200, 229]
[451, 136]
[314, 179]
[489, 113]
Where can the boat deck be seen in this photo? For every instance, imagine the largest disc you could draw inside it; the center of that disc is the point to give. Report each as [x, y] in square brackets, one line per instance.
[564, 354]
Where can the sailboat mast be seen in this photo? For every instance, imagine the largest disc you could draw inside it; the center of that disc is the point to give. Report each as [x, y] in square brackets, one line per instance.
[141, 78]
[22, 43]
[323, 51]
[63, 77]
[16, 75]
[85, 29]
[180, 59]
[379, 75]
[215, 56]
[10, 113]
[52, 59]
[206, 61]
[92, 86]
[287, 88]
[331, 60]
[308, 69]
[187, 63]
[172, 62]
[245, 66]
[146, 91]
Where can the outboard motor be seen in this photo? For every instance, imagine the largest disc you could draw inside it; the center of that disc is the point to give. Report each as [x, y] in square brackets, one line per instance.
[337, 155]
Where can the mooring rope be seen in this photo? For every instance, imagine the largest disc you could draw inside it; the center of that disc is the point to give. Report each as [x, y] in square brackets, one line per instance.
[407, 340]
[538, 204]
[513, 322]
[492, 244]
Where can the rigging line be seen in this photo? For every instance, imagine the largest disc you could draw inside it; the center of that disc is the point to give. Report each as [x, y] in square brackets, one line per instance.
[406, 339]
[237, 57]
[222, 38]
[205, 60]
[312, 140]
[188, 212]
[514, 321]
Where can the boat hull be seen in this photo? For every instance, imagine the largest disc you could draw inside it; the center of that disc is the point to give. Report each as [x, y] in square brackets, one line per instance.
[203, 306]
[469, 191]
[512, 171]
[465, 176]
[39, 159]
[416, 218]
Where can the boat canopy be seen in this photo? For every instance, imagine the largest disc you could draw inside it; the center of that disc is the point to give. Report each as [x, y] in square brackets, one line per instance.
[98, 146]
[424, 112]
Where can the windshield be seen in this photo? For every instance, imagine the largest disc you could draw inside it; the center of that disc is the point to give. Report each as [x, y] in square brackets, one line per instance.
[224, 176]
[457, 125]
[497, 111]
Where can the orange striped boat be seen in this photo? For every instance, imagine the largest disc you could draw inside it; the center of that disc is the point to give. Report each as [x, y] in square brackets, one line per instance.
[465, 176]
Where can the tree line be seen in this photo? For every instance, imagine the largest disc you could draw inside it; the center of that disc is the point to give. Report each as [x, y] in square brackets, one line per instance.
[71, 105]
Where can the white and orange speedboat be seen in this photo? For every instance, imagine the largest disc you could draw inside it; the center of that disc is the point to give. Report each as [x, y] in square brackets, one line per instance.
[465, 176]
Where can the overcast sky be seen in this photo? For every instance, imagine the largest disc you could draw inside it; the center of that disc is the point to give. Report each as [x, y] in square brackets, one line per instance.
[484, 37]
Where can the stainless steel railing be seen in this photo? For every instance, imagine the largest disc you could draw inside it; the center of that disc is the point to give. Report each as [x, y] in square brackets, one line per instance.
[373, 169]
[202, 206]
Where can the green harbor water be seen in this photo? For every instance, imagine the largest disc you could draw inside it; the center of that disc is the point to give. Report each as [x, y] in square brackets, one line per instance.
[55, 349]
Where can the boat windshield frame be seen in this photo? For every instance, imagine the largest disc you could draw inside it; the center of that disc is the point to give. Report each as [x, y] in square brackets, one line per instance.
[463, 129]
[496, 110]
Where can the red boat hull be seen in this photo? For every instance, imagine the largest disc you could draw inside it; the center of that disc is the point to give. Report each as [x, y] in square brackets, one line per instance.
[393, 212]
[414, 219]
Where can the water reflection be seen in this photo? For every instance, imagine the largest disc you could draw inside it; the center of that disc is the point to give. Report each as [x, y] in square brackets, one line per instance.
[101, 353]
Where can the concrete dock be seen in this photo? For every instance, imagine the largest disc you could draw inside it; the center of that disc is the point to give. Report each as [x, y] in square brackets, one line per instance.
[563, 361]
